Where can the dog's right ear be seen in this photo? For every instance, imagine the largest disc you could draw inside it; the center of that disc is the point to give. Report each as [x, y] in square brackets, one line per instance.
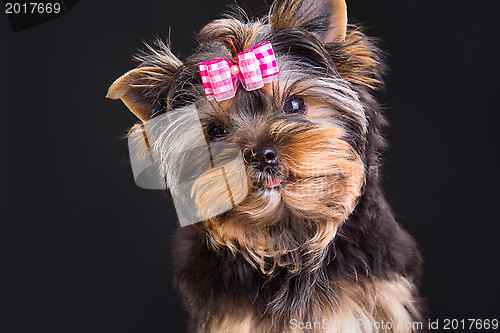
[139, 88]
[131, 88]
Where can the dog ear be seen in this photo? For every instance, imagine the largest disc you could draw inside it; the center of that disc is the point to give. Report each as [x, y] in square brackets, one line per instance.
[326, 19]
[139, 88]
[131, 88]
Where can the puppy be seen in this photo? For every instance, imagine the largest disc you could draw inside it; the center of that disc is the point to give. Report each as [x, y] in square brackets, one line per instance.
[312, 245]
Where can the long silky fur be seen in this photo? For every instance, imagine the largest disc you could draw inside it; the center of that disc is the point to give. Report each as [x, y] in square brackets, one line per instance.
[328, 241]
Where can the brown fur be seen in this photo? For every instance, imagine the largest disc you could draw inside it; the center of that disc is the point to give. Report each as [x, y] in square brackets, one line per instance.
[322, 245]
[358, 304]
[251, 230]
[358, 60]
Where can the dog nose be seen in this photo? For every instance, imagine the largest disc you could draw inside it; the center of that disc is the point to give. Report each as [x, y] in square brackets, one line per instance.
[262, 157]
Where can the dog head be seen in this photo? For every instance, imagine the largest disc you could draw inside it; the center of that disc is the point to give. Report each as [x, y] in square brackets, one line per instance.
[307, 138]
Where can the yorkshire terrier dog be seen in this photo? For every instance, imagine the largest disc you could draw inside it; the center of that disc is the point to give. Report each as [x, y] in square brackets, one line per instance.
[312, 246]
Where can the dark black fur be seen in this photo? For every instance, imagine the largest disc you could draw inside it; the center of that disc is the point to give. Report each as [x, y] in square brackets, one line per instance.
[370, 243]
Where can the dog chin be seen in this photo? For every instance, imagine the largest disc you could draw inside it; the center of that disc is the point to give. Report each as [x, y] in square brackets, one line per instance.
[276, 189]
[268, 183]
[262, 203]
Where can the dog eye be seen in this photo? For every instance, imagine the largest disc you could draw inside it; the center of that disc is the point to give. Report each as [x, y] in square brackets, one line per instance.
[294, 105]
[216, 132]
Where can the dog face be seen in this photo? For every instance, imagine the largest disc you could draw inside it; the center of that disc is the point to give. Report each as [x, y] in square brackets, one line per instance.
[305, 137]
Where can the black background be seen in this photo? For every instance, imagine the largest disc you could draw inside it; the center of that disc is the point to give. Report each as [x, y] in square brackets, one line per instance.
[85, 250]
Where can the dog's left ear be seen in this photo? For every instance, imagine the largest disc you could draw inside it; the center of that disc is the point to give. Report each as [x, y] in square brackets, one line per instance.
[326, 19]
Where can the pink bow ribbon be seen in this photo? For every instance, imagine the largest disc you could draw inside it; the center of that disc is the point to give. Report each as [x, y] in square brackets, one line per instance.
[254, 68]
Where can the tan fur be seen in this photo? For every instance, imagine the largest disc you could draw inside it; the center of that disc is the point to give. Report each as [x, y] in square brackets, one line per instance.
[356, 60]
[236, 35]
[290, 227]
[325, 177]
[361, 306]
[124, 86]
[292, 13]
[131, 86]
[376, 301]
[233, 324]
[323, 172]
[338, 21]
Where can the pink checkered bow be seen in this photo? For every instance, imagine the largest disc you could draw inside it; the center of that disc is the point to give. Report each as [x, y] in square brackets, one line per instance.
[253, 69]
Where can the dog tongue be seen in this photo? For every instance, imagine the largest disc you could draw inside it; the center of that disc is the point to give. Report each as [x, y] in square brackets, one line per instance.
[273, 182]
